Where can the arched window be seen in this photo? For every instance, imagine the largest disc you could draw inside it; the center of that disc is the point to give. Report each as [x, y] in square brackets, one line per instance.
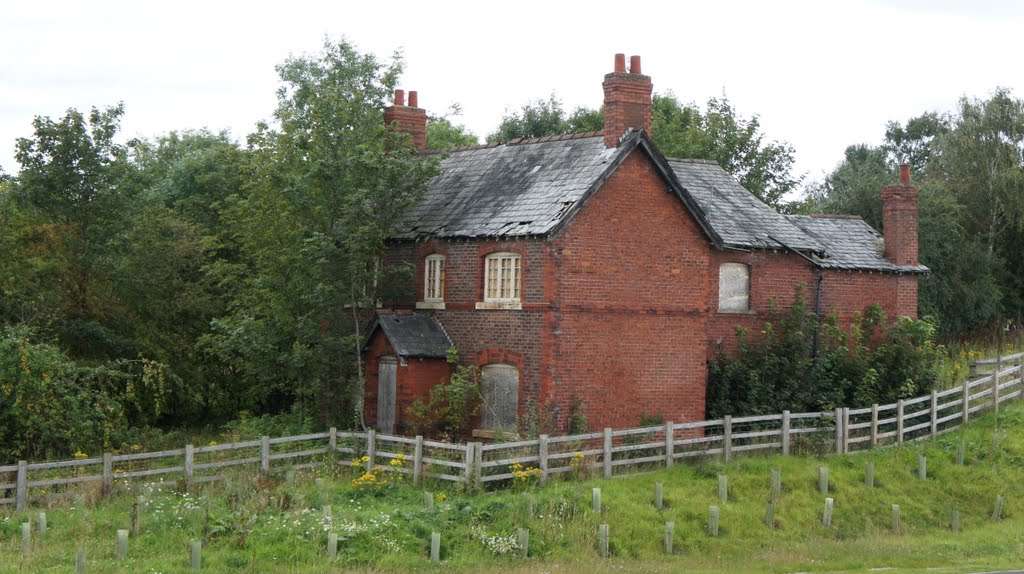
[433, 280]
[500, 390]
[734, 287]
[502, 278]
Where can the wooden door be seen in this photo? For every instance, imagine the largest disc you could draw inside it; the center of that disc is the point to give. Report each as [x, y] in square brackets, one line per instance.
[387, 374]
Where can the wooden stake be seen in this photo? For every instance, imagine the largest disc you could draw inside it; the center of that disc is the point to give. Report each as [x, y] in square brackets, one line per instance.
[137, 517]
[713, 515]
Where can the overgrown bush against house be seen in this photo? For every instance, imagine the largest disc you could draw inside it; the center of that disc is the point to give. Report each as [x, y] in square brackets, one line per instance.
[801, 362]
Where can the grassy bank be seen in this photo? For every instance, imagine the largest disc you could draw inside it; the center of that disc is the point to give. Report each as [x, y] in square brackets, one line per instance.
[263, 524]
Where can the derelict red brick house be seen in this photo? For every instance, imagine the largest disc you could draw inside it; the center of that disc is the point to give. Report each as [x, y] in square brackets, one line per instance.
[591, 268]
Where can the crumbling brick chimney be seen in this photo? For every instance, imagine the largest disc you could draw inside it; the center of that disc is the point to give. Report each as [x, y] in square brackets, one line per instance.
[408, 119]
[899, 220]
[627, 100]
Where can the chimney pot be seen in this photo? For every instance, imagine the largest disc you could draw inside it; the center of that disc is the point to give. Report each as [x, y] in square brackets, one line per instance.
[634, 64]
[620, 63]
[905, 175]
[414, 99]
[399, 97]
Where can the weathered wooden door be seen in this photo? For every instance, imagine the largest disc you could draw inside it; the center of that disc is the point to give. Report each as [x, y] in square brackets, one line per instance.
[387, 374]
[501, 397]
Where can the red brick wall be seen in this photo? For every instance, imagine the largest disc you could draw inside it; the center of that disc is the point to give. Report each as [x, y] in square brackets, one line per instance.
[631, 292]
[413, 380]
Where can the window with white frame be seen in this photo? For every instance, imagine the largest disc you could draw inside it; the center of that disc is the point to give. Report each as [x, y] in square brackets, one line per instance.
[433, 280]
[502, 278]
[734, 287]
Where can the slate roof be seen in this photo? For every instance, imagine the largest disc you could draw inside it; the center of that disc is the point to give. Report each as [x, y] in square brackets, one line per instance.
[412, 335]
[509, 190]
[534, 187]
[850, 243]
[741, 219]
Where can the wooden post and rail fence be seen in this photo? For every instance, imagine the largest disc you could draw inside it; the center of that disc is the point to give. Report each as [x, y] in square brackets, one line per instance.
[610, 452]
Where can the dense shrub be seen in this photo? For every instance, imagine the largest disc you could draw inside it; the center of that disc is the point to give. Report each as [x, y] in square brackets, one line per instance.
[801, 362]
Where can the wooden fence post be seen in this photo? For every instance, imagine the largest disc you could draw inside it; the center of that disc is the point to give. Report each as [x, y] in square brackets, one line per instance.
[846, 430]
[727, 438]
[542, 458]
[478, 469]
[371, 449]
[607, 452]
[417, 460]
[785, 432]
[332, 440]
[965, 408]
[21, 496]
[190, 454]
[874, 425]
[1020, 378]
[265, 454]
[108, 474]
[899, 421]
[935, 413]
[837, 415]
[995, 385]
[670, 445]
[469, 464]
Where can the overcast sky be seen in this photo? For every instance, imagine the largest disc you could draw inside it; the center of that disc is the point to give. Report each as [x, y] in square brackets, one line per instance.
[821, 75]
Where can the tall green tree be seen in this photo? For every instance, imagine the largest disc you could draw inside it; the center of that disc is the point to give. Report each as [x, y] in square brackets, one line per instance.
[540, 118]
[329, 184]
[443, 133]
[72, 180]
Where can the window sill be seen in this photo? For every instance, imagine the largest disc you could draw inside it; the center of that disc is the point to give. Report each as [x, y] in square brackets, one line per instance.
[736, 312]
[430, 304]
[512, 305]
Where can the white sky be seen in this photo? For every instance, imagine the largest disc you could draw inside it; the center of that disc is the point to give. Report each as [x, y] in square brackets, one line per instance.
[820, 74]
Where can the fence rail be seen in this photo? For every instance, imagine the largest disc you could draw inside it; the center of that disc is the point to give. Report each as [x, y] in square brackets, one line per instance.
[844, 430]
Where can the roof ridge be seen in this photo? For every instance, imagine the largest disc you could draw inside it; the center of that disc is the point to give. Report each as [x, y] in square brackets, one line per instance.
[834, 216]
[694, 160]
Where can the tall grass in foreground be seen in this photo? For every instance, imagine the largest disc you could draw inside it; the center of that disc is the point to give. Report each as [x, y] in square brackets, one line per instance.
[264, 524]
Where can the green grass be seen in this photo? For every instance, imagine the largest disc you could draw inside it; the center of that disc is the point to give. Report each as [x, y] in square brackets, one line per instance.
[276, 527]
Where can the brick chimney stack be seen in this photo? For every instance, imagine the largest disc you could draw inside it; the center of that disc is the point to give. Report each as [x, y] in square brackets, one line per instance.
[410, 118]
[627, 100]
[899, 220]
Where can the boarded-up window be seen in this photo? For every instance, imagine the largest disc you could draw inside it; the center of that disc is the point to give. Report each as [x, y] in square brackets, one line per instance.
[734, 287]
[501, 397]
